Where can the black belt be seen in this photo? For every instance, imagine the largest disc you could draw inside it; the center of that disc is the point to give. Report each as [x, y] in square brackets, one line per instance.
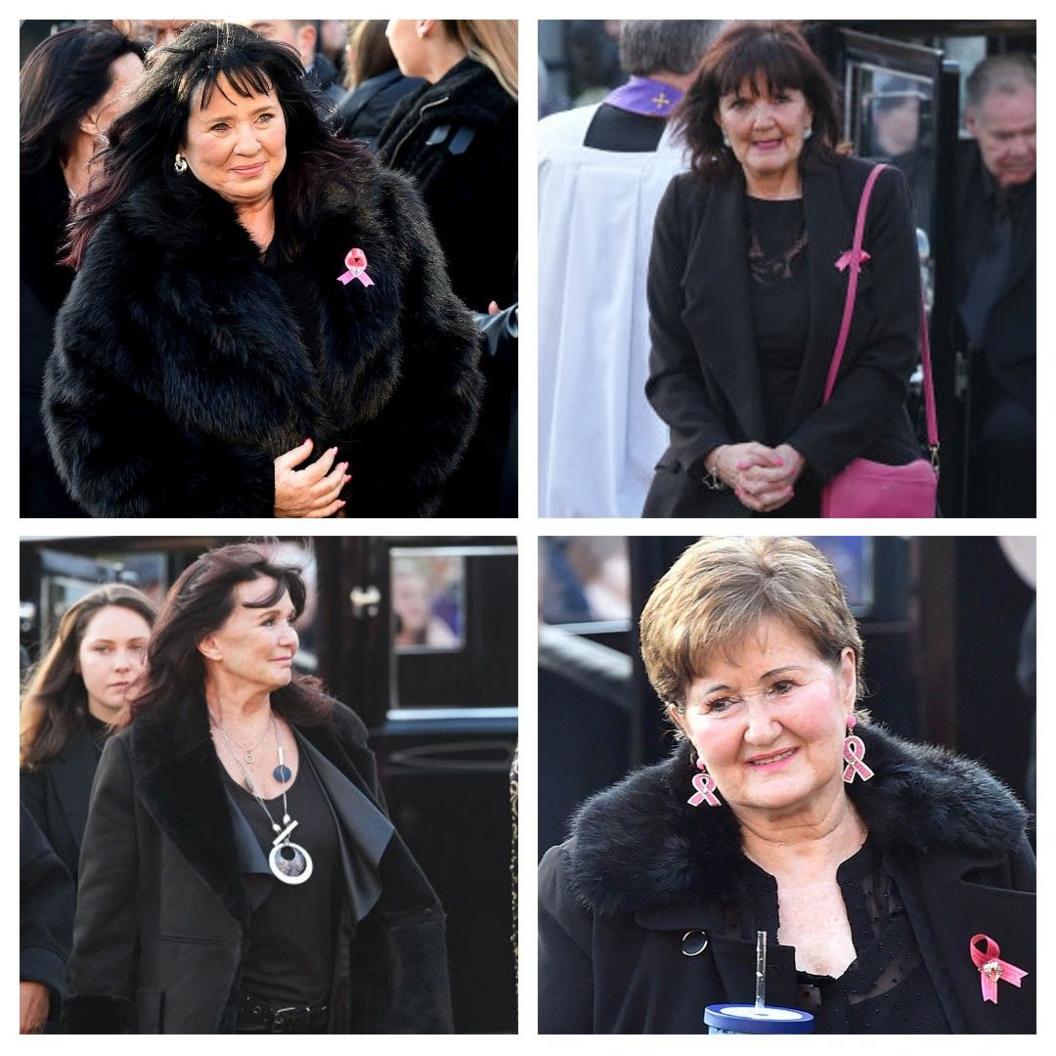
[258, 1015]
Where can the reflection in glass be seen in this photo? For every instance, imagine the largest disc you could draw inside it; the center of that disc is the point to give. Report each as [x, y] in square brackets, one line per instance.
[428, 603]
[893, 121]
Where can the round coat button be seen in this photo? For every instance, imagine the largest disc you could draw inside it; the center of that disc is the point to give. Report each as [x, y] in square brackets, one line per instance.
[694, 942]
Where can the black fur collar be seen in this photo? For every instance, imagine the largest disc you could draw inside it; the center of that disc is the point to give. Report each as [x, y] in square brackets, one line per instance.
[468, 94]
[638, 844]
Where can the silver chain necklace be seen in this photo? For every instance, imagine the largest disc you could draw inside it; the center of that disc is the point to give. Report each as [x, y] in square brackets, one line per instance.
[289, 861]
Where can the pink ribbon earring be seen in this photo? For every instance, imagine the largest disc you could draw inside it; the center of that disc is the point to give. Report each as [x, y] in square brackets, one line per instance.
[854, 754]
[704, 784]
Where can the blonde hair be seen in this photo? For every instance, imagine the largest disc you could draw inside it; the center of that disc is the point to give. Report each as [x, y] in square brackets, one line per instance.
[55, 701]
[492, 42]
[717, 592]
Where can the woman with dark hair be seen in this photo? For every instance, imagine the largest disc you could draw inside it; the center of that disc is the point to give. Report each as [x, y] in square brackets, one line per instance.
[252, 293]
[457, 138]
[240, 872]
[72, 699]
[72, 87]
[375, 83]
[747, 281]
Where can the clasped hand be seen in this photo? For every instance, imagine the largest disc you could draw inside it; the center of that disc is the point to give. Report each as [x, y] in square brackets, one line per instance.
[311, 492]
[762, 478]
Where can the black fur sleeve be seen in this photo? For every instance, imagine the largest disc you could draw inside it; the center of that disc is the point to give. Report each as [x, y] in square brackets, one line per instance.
[416, 442]
[108, 407]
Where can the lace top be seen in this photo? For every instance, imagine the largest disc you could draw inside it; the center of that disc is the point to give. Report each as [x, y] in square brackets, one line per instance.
[887, 988]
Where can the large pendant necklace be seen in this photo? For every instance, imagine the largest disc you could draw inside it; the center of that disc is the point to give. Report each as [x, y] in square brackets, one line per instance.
[288, 861]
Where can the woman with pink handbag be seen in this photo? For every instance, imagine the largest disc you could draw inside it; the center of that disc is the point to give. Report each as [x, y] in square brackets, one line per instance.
[785, 307]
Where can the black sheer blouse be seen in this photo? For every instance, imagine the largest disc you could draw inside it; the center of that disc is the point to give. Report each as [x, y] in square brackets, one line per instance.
[886, 989]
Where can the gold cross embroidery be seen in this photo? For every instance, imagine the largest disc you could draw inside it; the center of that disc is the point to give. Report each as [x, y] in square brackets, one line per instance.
[661, 100]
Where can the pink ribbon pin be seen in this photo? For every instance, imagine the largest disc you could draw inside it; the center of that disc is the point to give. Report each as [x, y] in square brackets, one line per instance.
[848, 258]
[356, 262]
[705, 791]
[991, 967]
[853, 752]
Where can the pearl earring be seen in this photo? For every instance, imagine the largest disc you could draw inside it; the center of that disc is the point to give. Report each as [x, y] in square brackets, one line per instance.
[808, 131]
[725, 140]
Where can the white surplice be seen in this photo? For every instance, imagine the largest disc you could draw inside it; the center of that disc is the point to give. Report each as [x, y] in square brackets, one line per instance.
[598, 437]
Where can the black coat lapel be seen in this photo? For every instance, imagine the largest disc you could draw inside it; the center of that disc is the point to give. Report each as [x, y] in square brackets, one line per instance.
[718, 306]
[364, 831]
[182, 788]
[948, 905]
[830, 231]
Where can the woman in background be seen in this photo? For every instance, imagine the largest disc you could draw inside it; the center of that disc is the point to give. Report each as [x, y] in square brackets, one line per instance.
[375, 83]
[72, 87]
[457, 137]
[72, 698]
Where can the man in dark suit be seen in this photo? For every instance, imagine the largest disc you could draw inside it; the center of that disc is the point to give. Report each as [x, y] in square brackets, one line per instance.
[996, 283]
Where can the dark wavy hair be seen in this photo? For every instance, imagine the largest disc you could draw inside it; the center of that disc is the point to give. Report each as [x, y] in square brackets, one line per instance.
[144, 141]
[771, 54]
[198, 603]
[55, 701]
[62, 78]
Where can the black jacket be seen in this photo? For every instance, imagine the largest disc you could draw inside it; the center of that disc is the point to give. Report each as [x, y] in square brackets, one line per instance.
[45, 913]
[56, 795]
[704, 373]
[1010, 339]
[363, 110]
[458, 140]
[44, 204]
[164, 902]
[184, 365]
[642, 868]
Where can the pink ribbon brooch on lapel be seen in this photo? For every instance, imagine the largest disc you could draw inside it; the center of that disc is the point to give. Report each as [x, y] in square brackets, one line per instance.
[356, 262]
[848, 258]
[991, 968]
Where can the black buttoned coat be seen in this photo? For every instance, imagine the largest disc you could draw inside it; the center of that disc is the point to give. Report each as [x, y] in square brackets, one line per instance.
[641, 868]
[164, 902]
[704, 374]
[57, 792]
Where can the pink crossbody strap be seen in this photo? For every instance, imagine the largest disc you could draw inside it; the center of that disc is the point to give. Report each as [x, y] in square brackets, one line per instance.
[854, 261]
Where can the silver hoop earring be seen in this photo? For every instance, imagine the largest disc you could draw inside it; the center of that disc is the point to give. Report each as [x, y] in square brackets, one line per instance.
[180, 164]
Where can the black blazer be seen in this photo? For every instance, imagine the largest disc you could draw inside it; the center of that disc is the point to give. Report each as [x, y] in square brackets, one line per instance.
[642, 868]
[704, 375]
[1011, 337]
[57, 793]
[168, 885]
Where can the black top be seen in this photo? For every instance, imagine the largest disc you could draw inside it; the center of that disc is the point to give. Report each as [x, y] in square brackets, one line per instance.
[886, 989]
[290, 958]
[780, 297]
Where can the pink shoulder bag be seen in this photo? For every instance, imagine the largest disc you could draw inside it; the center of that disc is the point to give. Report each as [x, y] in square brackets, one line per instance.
[871, 489]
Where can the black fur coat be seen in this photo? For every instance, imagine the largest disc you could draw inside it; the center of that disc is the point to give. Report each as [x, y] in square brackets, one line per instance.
[167, 890]
[184, 364]
[642, 868]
